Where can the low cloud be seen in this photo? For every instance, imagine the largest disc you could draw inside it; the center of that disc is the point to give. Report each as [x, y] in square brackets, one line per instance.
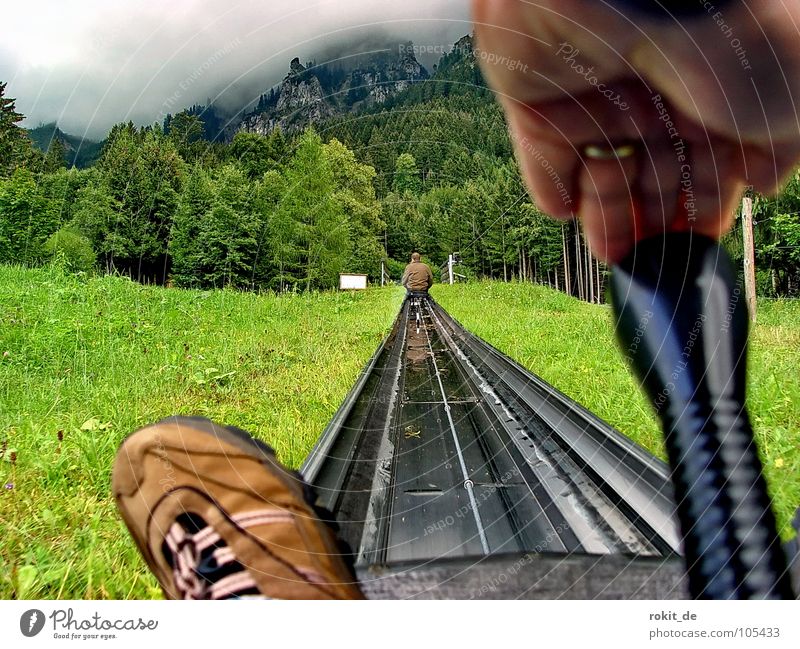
[138, 60]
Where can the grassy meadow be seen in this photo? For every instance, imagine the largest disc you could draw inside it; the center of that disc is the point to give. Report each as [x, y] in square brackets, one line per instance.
[571, 344]
[85, 362]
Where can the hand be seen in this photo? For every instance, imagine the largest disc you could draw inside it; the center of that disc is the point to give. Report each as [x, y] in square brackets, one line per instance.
[708, 104]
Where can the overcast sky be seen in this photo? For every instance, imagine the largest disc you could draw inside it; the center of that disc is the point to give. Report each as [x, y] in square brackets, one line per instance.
[88, 64]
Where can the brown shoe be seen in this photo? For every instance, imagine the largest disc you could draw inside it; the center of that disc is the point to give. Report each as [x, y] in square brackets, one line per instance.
[216, 516]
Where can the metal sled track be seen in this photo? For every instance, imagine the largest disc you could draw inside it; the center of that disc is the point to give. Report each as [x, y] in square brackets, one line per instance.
[455, 472]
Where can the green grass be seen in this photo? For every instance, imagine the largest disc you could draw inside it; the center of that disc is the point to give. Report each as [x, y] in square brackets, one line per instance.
[571, 345]
[90, 361]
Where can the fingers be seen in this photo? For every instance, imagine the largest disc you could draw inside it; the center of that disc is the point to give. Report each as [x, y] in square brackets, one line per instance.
[658, 187]
[623, 202]
[547, 165]
[607, 190]
[524, 48]
[711, 186]
[768, 168]
[681, 177]
[742, 80]
[633, 198]
[549, 141]
[549, 137]
[507, 48]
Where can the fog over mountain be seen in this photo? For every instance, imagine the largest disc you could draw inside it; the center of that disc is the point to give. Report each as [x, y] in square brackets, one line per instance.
[88, 64]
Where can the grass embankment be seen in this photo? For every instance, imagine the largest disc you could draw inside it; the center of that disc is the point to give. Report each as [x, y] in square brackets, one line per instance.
[84, 363]
[571, 345]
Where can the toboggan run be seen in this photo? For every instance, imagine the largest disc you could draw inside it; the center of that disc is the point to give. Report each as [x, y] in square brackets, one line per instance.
[455, 472]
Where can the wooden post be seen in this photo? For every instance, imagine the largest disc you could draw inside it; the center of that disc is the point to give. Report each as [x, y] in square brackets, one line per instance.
[749, 256]
[597, 296]
[382, 273]
[590, 274]
[579, 264]
[450, 269]
[567, 282]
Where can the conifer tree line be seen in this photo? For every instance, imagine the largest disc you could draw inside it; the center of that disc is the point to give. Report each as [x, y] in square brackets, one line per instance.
[258, 213]
[430, 170]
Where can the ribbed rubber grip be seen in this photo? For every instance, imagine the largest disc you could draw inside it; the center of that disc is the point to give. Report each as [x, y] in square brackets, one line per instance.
[682, 322]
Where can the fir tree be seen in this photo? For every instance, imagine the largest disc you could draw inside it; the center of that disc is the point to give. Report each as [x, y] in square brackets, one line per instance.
[12, 140]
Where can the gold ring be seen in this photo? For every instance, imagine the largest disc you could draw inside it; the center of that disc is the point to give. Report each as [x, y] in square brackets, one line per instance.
[603, 152]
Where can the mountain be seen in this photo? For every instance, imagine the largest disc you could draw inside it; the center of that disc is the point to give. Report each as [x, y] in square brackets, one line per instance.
[460, 64]
[365, 83]
[441, 118]
[78, 151]
[217, 124]
[312, 93]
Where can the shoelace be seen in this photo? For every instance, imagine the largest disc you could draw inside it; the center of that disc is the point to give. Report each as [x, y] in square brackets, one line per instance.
[204, 567]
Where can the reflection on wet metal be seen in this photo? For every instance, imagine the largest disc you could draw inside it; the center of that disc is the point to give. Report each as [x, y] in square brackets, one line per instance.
[424, 492]
[446, 448]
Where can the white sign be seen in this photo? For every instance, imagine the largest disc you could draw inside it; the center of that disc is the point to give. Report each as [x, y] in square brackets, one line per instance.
[352, 282]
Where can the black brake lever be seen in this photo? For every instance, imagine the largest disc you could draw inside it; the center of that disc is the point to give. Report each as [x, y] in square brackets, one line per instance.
[682, 322]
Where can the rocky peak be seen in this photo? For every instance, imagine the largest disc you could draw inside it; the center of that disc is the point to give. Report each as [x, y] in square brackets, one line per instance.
[300, 100]
[460, 63]
[296, 93]
[464, 45]
[310, 94]
[295, 67]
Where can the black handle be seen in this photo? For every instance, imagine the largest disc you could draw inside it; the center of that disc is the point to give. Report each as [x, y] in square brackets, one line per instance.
[682, 322]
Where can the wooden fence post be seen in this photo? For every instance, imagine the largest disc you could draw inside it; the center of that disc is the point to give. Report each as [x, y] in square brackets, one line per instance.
[749, 256]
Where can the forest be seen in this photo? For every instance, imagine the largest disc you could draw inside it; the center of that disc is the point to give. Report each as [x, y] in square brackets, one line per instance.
[430, 169]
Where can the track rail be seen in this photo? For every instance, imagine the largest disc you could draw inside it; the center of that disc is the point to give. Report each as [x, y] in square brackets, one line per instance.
[447, 457]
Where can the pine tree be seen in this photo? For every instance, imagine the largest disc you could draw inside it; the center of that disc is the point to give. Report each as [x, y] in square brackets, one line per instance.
[55, 158]
[257, 154]
[317, 222]
[12, 140]
[98, 215]
[282, 233]
[406, 174]
[185, 243]
[25, 220]
[186, 132]
[142, 172]
[228, 237]
[355, 199]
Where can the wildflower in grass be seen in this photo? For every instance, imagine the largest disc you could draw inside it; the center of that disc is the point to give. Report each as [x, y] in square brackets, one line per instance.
[8, 486]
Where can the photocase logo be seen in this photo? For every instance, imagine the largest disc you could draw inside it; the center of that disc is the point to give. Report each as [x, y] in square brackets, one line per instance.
[31, 622]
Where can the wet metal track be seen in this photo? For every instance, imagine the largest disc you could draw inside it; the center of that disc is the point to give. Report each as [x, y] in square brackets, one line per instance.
[454, 472]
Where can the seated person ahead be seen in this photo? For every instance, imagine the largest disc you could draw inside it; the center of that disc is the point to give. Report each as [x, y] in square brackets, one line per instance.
[417, 277]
